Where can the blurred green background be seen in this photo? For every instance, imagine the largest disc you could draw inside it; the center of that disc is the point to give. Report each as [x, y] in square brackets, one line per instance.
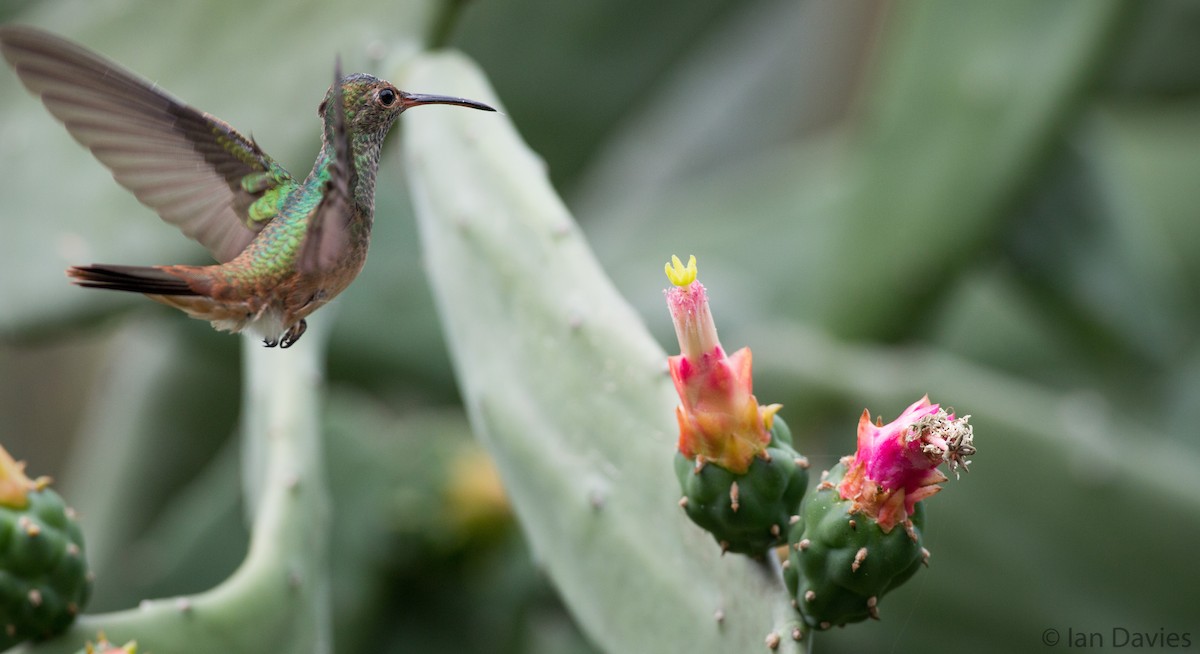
[993, 203]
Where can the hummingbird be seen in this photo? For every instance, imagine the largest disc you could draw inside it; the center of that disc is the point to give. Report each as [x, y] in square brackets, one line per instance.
[284, 246]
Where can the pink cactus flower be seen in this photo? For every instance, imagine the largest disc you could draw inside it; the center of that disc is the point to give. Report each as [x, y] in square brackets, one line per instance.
[896, 464]
[720, 421]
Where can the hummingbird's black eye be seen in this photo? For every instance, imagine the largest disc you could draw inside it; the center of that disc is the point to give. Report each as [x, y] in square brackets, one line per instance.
[387, 97]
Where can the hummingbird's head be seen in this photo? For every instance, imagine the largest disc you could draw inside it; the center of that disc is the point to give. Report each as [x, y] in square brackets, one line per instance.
[372, 104]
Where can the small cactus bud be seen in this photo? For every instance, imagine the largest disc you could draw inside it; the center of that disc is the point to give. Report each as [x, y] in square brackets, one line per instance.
[45, 577]
[847, 553]
[744, 512]
[740, 476]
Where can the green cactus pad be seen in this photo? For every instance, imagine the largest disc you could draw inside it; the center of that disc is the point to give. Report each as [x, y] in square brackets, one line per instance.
[44, 579]
[841, 564]
[767, 495]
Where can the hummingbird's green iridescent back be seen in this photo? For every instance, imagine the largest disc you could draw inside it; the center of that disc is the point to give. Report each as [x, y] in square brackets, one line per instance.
[285, 246]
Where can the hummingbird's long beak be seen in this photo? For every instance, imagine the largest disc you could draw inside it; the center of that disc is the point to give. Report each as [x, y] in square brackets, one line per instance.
[408, 100]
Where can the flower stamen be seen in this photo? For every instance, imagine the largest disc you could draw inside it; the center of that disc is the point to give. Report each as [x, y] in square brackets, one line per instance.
[679, 274]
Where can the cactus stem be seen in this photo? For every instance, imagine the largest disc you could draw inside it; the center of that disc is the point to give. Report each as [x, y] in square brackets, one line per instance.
[183, 605]
[809, 595]
[803, 544]
[873, 612]
[787, 563]
[859, 557]
[854, 525]
[733, 497]
[825, 624]
[776, 530]
[72, 550]
[719, 615]
[793, 520]
[795, 604]
[773, 640]
[683, 502]
[724, 547]
[72, 608]
[925, 557]
[802, 461]
[797, 634]
[10, 629]
[766, 456]
[35, 598]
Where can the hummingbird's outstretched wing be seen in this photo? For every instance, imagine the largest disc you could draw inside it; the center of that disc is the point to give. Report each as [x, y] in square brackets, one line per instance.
[195, 170]
[326, 236]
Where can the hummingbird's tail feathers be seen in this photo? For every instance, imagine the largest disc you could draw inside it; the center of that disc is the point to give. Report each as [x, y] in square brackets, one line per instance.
[136, 279]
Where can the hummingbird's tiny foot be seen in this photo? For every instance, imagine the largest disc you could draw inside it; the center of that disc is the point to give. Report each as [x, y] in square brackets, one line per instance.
[293, 334]
[270, 343]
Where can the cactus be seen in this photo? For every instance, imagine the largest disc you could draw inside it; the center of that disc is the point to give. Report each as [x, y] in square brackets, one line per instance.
[277, 600]
[566, 389]
[44, 578]
[845, 551]
[840, 563]
[746, 513]
[740, 477]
